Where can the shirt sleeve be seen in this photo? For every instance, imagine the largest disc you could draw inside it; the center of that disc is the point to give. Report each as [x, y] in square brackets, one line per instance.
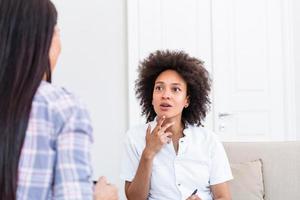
[220, 170]
[73, 171]
[130, 159]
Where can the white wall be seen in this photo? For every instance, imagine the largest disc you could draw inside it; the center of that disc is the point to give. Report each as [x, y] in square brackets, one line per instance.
[93, 65]
[297, 60]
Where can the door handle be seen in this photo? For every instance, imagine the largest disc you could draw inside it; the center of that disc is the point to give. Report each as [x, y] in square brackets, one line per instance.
[221, 115]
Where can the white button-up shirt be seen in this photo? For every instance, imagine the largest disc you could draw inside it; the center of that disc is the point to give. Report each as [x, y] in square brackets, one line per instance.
[200, 162]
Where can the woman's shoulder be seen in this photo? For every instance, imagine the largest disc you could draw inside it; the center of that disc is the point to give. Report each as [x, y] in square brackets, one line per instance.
[51, 100]
[136, 134]
[57, 105]
[53, 95]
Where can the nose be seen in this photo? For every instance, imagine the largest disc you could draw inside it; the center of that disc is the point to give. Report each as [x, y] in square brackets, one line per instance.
[166, 94]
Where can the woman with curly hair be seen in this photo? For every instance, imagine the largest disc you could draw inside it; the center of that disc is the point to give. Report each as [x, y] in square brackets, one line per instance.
[174, 156]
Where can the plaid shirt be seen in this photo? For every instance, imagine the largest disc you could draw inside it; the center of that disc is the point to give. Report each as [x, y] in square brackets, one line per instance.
[55, 158]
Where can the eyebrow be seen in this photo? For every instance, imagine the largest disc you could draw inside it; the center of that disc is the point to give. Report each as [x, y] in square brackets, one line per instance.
[160, 82]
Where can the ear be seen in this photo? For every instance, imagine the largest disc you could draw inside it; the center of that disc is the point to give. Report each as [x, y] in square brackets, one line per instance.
[187, 103]
[55, 48]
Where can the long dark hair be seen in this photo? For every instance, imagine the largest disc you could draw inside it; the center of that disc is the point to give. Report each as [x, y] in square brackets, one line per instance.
[26, 30]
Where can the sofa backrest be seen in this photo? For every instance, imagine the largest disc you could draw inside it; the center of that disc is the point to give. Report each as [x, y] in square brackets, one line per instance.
[281, 165]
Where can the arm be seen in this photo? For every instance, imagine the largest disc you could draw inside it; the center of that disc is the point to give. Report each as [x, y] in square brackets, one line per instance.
[220, 191]
[138, 188]
[72, 170]
[220, 172]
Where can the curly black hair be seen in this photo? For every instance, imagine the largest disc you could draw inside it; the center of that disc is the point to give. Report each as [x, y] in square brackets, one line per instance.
[190, 69]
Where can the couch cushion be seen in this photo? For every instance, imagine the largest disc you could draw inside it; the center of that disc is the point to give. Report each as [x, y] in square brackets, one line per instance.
[281, 165]
[248, 181]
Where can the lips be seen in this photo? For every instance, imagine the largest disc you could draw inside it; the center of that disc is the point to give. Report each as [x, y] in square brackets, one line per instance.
[165, 105]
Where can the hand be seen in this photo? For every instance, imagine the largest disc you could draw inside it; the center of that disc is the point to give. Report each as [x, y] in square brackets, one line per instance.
[105, 191]
[156, 139]
[194, 197]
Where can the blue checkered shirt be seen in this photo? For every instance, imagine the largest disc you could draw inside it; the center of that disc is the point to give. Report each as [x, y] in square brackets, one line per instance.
[55, 158]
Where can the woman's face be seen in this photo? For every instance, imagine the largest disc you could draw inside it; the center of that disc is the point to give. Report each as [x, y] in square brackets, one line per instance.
[169, 95]
[55, 48]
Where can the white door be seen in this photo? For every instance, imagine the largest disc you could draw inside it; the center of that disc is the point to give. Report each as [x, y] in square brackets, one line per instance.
[246, 48]
[250, 50]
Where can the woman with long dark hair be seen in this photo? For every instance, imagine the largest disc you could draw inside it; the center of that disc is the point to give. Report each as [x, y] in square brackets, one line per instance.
[45, 132]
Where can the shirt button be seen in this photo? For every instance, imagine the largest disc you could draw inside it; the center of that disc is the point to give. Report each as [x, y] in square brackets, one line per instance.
[179, 184]
[181, 141]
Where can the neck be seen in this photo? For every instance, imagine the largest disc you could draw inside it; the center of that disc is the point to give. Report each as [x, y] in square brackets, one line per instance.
[177, 128]
[44, 77]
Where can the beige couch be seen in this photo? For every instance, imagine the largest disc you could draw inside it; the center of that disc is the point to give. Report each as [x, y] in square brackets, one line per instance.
[280, 166]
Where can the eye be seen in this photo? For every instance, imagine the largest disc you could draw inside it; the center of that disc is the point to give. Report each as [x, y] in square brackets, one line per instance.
[176, 89]
[158, 88]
